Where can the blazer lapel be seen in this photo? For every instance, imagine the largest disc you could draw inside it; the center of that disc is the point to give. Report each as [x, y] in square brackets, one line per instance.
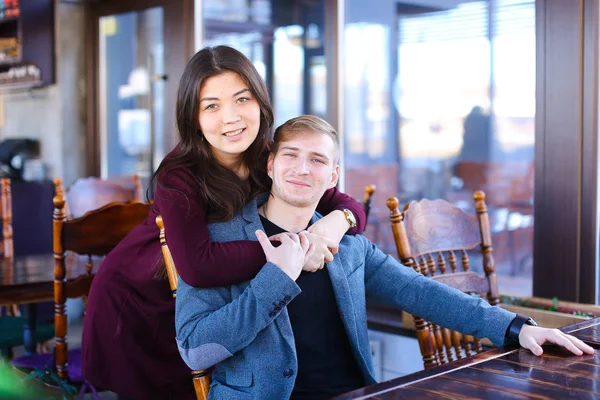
[252, 223]
[341, 290]
[251, 217]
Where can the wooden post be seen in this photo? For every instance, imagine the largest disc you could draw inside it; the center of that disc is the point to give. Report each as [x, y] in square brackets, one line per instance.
[60, 317]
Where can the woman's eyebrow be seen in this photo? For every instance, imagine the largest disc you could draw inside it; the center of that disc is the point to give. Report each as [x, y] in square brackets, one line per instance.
[240, 92]
[216, 98]
[208, 99]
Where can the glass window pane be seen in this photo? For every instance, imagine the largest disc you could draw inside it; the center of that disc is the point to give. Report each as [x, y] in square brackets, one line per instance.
[131, 54]
[459, 116]
[289, 70]
[284, 41]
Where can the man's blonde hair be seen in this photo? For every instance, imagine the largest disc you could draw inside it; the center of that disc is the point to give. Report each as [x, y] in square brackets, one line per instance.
[305, 123]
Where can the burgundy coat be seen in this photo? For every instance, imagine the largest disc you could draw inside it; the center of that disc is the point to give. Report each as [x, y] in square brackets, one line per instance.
[129, 331]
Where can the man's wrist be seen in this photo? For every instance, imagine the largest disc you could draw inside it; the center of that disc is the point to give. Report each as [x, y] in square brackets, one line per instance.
[511, 337]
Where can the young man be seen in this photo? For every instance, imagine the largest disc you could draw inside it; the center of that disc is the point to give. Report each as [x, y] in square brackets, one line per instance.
[304, 335]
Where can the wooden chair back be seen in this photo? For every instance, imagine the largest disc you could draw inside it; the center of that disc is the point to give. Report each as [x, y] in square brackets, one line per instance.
[433, 238]
[7, 245]
[7, 229]
[366, 202]
[201, 378]
[91, 193]
[94, 234]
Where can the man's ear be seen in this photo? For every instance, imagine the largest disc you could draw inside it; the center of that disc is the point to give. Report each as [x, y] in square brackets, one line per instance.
[270, 165]
[335, 176]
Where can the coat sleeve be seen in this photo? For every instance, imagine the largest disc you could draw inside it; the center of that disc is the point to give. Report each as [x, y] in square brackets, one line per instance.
[211, 326]
[389, 282]
[200, 261]
[333, 199]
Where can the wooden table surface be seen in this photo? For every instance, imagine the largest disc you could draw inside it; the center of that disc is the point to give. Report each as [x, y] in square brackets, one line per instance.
[503, 373]
[588, 331]
[30, 279]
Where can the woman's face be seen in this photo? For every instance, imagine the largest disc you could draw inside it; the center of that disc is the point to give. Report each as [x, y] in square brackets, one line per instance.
[229, 116]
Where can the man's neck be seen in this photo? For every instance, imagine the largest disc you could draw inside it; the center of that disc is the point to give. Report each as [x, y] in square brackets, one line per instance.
[291, 218]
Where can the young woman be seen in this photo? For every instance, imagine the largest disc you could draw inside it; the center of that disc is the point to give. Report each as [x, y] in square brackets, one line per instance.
[219, 164]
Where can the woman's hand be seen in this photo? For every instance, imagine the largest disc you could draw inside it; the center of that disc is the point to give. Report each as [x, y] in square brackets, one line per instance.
[332, 226]
[316, 259]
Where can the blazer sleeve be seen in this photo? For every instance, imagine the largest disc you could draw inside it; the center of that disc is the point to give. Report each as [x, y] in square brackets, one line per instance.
[211, 326]
[333, 199]
[200, 261]
[389, 282]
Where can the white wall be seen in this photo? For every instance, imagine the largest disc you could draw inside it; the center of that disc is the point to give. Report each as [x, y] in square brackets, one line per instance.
[56, 115]
[400, 355]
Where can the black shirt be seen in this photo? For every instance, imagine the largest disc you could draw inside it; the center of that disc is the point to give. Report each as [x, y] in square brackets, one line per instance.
[326, 365]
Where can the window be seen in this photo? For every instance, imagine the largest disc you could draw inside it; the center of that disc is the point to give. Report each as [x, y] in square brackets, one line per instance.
[440, 103]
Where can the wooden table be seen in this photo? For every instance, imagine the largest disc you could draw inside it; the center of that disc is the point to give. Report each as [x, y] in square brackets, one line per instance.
[588, 331]
[30, 280]
[27, 279]
[503, 373]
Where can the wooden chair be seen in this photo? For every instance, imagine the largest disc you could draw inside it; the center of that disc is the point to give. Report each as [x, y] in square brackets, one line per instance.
[369, 191]
[12, 325]
[7, 230]
[428, 236]
[7, 246]
[94, 234]
[91, 193]
[201, 378]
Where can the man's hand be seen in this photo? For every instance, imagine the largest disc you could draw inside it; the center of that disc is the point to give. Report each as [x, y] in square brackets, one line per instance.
[320, 256]
[290, 255]
[533, 337]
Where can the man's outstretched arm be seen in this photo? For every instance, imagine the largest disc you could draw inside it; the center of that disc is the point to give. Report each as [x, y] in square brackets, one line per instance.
[387, 281]
[390, 282]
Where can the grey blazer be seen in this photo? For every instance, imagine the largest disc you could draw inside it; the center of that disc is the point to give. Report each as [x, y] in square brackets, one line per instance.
[245, 329]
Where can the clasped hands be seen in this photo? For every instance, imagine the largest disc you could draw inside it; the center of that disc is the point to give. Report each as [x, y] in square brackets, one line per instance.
[309, 249]
[296, 252]
[320, 251]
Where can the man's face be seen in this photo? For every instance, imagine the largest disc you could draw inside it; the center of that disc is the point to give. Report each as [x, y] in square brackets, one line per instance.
[304, 167]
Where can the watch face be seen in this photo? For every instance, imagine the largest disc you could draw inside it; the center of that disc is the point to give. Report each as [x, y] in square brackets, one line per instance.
[350, 217]
[531, 322]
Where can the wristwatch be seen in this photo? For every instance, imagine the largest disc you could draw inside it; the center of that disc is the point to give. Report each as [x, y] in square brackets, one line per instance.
[349, 217]
[512, 333]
